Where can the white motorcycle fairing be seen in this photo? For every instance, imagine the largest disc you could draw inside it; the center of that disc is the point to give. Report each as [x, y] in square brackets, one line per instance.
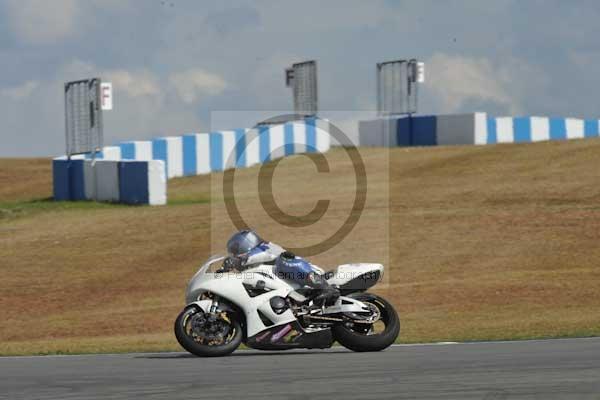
[252, 291]
[356, 277]
[230, 285]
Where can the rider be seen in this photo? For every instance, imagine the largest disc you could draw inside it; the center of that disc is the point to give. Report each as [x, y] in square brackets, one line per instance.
[246, 249]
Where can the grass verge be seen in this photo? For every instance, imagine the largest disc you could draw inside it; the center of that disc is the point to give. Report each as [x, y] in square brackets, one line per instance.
[486, 243]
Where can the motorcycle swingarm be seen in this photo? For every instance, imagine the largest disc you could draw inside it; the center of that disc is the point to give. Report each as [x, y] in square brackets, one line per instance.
[346, 304]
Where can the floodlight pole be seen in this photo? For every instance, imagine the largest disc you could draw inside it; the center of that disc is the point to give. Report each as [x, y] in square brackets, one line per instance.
[66, 124]
[378, 82]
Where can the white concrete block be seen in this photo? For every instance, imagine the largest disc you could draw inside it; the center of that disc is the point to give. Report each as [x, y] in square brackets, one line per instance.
[174, 156]
[73, 157]
[157, 184]
[574, 128]
[276, 141]
[504, 130]
[540, 129]
[323, 135]
[111, 153]
[202, 153]
[299, 137]
[143, 150]
[481, 128]
[229, 151]
[253, 147]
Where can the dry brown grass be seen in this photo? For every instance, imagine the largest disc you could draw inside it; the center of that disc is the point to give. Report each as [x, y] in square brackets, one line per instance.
[25, 179]
[497, 242]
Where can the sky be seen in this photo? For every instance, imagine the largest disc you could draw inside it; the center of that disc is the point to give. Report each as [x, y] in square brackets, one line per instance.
[174, 62]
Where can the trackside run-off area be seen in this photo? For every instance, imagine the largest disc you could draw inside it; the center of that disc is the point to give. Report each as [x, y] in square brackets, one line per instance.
[497, 242]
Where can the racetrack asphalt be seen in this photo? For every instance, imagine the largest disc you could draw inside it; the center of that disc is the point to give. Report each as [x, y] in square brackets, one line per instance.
[540, 369]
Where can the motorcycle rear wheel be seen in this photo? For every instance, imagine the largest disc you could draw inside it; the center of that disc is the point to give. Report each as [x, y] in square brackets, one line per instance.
[190, 343]
[359, 338]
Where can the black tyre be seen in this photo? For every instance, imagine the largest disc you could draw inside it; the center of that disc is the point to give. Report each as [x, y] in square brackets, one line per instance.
[364, 337]
[200, 346]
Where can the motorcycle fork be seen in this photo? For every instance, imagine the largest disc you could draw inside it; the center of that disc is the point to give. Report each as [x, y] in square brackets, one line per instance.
[214, 306]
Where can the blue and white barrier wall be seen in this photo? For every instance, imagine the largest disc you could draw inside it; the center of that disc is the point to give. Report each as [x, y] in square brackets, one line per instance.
[473, 128]
[126, 181]
[202, 153]
[170, 150]
[196, 154]
[240, 148]
[142, 182]
[107, 153]
[216, 151]
[426, 130]
[111, 177]
[136, 150]
[535, 129]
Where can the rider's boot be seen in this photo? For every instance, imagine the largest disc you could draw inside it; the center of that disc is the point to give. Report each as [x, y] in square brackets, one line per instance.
[327, 294]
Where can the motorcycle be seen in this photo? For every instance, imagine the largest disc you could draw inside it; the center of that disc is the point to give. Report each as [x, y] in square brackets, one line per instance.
[260, 309]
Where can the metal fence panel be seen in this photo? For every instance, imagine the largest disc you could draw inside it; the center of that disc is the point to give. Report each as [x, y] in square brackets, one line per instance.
[397, 87]
[304, 81]
[83, 116]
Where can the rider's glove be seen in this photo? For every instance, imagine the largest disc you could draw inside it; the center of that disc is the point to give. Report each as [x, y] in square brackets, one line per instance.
[231, 263]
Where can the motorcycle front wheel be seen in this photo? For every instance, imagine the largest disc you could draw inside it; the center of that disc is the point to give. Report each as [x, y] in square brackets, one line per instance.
[207, 335]
[370, 337]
